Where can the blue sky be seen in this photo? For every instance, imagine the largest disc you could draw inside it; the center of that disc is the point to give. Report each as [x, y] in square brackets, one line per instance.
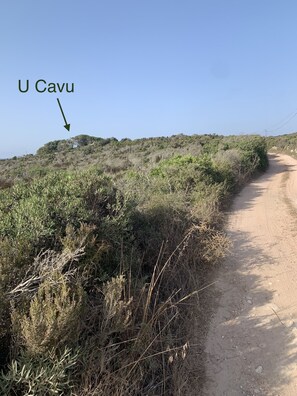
[147, 68]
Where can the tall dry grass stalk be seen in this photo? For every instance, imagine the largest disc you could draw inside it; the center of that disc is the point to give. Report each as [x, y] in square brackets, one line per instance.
[147, 339]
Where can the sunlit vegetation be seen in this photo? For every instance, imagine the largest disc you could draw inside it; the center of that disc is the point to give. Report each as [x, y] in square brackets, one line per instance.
[104, 247]
[283, 143]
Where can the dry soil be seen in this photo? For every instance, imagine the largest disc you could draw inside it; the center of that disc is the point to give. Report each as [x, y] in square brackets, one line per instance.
[251, 347]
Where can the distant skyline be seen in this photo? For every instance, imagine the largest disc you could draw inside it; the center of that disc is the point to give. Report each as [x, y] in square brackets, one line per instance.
[147, 68]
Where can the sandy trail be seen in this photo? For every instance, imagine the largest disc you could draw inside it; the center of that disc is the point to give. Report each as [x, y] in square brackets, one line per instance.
[251, 346]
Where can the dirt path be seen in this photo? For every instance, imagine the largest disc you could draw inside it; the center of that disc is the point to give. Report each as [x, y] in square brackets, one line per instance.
[251, 346]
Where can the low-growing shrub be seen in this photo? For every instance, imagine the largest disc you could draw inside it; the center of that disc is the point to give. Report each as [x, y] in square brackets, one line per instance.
[54, 318]
[100, 275]
[47, 374]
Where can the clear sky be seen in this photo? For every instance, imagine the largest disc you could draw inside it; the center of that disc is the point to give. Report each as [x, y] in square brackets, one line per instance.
[147, 68]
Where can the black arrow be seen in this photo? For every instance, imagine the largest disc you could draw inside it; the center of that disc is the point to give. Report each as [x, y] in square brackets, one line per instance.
[67, 126]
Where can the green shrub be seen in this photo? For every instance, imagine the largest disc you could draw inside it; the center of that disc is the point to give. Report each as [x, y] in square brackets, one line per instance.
[38, 212]
[184, 172]
[54, 316]
[109, 263]
[47, 374]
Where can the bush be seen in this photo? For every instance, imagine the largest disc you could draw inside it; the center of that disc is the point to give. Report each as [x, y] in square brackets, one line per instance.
[99, 275]
[46, 374]
[184, 172]
[54, 316]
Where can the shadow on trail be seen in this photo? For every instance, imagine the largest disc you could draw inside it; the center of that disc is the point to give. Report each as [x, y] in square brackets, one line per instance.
[263, 341]
[257, 336]
[255, 188]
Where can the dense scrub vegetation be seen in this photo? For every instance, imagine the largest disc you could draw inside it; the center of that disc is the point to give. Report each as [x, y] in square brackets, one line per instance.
[284, 143]
[104, 248]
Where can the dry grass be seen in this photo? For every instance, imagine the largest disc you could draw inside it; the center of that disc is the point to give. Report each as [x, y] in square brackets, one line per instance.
[123, 292]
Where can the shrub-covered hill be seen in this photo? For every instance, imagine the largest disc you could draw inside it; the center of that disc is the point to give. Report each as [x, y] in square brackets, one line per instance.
[114, 156]
[283, 143]
[100, 265]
